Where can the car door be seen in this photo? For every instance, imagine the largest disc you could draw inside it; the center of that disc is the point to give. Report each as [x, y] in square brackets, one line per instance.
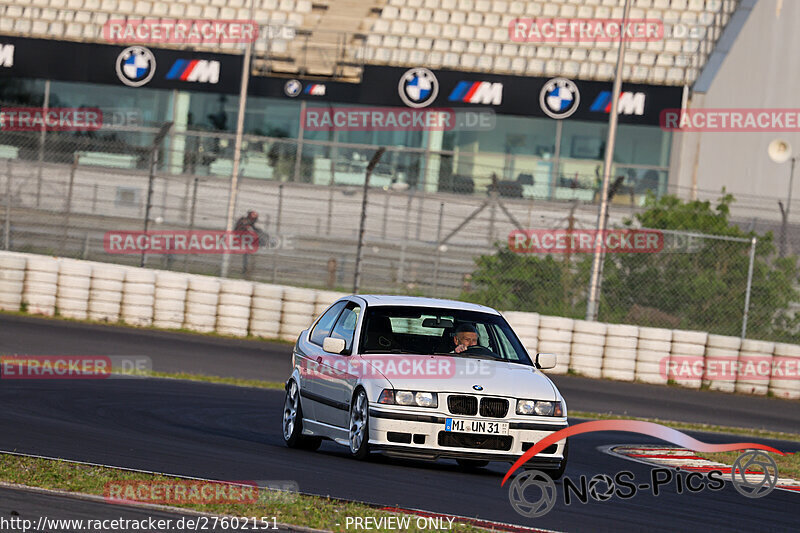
[309, 356]
[336, 377]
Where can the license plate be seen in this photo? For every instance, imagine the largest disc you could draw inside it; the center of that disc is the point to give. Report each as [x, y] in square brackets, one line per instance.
[460, 425]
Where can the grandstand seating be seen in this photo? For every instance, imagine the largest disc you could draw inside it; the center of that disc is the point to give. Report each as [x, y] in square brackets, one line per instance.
[458, 34]
[473, 35]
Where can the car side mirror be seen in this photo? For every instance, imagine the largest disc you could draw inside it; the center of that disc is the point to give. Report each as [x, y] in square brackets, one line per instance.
[545, 360]
[334, 345]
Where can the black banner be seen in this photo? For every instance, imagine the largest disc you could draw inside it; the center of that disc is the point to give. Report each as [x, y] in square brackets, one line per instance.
[153, 68]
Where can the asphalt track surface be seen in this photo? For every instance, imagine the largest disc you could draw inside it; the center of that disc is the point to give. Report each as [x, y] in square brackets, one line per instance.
[232, 433]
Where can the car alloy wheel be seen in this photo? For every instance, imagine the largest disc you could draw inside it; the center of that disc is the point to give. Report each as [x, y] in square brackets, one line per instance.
[290, 410]
[359, 425]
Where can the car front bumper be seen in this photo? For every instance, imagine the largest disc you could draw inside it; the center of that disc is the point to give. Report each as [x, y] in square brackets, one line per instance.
[411, 433]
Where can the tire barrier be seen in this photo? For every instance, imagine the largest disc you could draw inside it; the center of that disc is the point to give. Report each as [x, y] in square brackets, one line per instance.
[755, 366]
[170, 299]
[297, 311]
[105, 292]
[721, 358]
[233, 310]
[12, 281]
[41, 285]
[555, 336]
[588, 346]
[526, 326]
[74, 280]
[138, 297]
[619, 359]
[173, 300]
[652, 355]
[784, 381]
[265, 315]
[202, 299]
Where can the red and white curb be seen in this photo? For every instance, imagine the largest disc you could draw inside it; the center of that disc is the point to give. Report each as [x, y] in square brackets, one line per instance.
[668, 456]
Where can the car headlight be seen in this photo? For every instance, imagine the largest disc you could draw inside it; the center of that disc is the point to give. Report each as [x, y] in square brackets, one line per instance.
[539, 408]
[405, 397]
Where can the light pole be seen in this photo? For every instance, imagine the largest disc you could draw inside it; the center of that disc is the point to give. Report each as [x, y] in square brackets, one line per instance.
[780, 151]
[602, 215]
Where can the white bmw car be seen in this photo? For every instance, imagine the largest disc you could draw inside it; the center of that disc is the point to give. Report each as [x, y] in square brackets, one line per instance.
[422, 378]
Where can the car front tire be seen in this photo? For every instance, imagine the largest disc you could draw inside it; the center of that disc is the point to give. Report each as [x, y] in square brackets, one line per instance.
[358, 427]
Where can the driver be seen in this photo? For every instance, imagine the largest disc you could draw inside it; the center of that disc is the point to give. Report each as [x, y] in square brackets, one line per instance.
[465, 336]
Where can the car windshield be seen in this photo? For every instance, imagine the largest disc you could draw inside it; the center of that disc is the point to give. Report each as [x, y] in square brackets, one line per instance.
[429, 331]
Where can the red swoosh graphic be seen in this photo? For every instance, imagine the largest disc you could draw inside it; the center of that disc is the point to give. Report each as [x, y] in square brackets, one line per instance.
[635, 426]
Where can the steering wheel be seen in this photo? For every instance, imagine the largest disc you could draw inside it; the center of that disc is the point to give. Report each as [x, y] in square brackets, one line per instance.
[479, 350]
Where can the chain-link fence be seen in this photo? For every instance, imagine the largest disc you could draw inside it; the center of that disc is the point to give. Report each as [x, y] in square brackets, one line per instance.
[444, 237]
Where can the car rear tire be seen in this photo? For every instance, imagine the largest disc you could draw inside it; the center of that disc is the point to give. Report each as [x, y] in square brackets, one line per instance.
[358, 427]
[471, 464]
[293, 422]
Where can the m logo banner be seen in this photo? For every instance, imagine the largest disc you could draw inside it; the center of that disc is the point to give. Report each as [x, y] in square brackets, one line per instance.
[478, 92]
[196, 70]
[6, 55]
[629, 103]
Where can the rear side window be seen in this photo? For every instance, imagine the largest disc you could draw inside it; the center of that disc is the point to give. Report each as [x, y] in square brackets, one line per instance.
[325, 324]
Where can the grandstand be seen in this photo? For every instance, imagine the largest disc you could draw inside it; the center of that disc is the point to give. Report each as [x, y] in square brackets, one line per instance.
[332, 37]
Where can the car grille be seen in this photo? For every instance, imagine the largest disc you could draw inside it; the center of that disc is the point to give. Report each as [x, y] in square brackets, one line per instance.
[494, 407]
[463, 405]
[468, 440]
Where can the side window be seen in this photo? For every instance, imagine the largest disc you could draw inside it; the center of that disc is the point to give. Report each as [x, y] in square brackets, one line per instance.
[345, 327]
[325, 323]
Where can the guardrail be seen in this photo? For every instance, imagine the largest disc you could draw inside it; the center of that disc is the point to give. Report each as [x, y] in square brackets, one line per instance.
[104, 292]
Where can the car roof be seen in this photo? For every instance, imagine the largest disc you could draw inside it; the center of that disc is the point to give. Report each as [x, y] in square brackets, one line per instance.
[416, 301]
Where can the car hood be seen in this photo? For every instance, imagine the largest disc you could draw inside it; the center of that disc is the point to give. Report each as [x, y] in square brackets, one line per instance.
[442, 373]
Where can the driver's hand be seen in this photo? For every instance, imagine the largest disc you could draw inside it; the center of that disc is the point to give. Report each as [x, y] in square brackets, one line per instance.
[460, 348]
